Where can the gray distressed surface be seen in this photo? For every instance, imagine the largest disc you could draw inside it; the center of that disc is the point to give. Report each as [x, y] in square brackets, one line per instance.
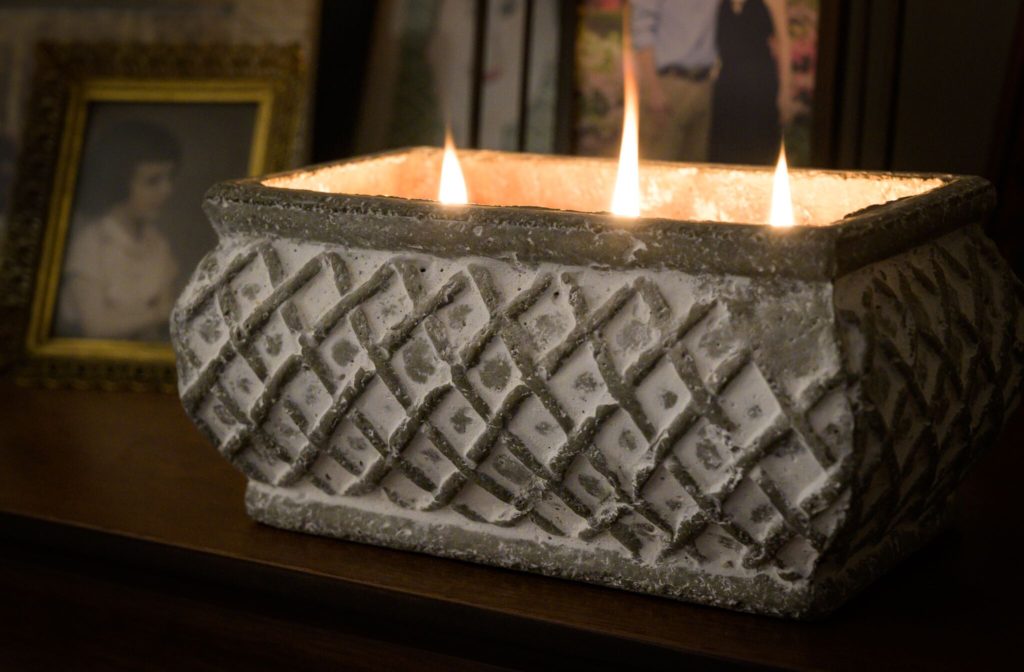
[737, 441]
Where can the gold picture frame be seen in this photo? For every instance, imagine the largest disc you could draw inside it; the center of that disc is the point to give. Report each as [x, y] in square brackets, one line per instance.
[70, 80]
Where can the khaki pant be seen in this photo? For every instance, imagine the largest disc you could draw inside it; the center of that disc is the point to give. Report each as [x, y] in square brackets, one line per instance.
[682, 132]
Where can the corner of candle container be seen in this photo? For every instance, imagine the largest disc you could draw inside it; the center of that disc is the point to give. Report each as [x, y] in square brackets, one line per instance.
[880, 231]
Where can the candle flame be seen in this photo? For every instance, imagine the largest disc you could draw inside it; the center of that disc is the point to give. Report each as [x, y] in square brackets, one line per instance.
[626, 198]
[782, 199]
[453, 184]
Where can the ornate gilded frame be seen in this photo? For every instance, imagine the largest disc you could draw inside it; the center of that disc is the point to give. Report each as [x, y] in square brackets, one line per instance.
[68, 78]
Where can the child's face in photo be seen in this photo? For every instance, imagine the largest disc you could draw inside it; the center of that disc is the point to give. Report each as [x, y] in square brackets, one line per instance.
[151, 185]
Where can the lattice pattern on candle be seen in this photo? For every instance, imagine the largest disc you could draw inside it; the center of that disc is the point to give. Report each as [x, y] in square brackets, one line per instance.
[933, 329]
[531, 400]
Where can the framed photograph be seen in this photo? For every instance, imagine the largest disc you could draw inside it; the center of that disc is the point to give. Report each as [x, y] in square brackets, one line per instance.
[106, 220]
[720, 80]
[24, 24]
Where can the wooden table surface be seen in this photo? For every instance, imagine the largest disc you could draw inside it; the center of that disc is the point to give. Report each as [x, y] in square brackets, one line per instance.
[116, 517]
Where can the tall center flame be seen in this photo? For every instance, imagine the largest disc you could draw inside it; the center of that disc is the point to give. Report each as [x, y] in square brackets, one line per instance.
[782, 199]
[626, 198]
[453, 184]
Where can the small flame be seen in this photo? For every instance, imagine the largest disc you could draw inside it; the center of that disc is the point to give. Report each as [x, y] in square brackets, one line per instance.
[453, 184]
[782, 200]
[626, 198]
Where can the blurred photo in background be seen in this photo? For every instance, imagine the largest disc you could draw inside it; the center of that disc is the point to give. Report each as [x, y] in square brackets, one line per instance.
[24, 24]
[720, 80]
[136, 223]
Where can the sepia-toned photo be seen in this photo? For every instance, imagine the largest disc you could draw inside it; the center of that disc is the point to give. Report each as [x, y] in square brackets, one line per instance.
[107, 219]
[719, 80]
[136, 227]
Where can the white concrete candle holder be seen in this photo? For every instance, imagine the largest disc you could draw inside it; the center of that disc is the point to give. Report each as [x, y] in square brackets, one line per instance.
[724, 413]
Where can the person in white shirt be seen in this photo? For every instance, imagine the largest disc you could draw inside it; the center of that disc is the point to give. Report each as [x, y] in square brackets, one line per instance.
[119, 271]
[676, 56]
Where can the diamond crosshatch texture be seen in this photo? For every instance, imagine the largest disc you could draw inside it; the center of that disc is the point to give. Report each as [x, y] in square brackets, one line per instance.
[937, 339]
[714, 412]
[587, 406]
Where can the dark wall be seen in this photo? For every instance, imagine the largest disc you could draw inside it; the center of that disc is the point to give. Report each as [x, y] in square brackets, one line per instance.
[953, 66]
[921, 83]
[346, 29]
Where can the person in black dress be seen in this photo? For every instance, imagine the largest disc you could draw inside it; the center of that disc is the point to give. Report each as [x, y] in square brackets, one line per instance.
[751, 92]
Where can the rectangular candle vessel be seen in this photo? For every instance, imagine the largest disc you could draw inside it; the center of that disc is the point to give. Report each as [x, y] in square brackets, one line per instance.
[756, 418]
